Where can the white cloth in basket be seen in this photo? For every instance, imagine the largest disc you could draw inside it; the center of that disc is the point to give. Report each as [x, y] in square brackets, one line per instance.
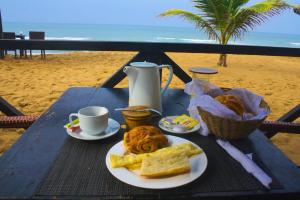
[202, 95]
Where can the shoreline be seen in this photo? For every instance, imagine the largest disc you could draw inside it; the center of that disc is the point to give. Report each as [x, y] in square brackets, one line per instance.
[32, 85]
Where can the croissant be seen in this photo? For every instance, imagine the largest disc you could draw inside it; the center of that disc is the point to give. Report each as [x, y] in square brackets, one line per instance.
[232, 102]
[144, 139]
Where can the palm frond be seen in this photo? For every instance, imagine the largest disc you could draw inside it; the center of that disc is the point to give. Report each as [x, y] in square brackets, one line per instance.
[219, 12]
[211, 10]
[247, 18]
[196, 19]
[237, 4]
[269, 7]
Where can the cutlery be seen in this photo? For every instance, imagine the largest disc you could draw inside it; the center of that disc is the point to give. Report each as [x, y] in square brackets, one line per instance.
[140, 110]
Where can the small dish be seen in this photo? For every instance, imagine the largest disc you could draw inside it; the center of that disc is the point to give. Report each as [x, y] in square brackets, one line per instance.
[113, 128]
[170, 128]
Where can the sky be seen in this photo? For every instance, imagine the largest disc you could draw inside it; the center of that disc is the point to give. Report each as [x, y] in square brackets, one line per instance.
[128, 12]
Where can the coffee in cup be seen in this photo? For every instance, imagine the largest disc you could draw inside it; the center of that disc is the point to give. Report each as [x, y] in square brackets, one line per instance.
[93, 120]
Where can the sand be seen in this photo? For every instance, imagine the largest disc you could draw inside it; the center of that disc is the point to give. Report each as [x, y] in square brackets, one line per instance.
[33, 85]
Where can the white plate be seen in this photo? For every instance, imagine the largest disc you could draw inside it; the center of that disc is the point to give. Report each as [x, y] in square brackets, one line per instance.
[198, 166]
[113, 128]
[163, 127]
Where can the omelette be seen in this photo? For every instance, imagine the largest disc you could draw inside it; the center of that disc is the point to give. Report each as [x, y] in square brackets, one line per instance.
[168, 158]
[159, 165]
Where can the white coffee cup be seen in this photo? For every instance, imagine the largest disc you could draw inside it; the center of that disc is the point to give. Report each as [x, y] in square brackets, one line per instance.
[93, 120]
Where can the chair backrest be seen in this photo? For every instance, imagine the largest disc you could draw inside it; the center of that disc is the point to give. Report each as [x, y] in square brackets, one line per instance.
[9, 35]
[8, 109]
[290, 116]
[36, 35]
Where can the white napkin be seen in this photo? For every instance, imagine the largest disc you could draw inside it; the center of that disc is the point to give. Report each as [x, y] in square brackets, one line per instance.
[246, 162]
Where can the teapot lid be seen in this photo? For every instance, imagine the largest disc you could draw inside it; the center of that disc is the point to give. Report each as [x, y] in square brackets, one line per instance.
[143, 64]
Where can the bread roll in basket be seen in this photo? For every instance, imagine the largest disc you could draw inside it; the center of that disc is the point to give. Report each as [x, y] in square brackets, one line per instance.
[228, 128]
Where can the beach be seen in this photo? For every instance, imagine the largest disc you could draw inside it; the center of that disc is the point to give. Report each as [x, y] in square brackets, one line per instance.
[32, 85]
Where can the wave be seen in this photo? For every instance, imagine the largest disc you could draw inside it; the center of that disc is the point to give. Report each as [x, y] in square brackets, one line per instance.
[190, 40]
[198, 40]
[64, 38]
[165, 38]
[67, 38]
[51, 52]
[295, 43]
[238, 43]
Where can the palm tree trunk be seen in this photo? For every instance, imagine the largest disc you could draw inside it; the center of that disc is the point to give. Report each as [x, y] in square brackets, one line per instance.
[223, 60]
[223, 57]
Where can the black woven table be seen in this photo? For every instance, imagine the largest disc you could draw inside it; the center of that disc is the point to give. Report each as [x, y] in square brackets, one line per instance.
[46, 163]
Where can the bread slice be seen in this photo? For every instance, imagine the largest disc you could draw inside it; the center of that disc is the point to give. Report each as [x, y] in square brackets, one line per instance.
[165, 165]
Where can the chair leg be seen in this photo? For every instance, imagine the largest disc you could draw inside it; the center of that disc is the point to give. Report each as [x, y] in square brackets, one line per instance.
[30, 53]
[43, 54]
[1, 54]
[15, 54]
[21, 53]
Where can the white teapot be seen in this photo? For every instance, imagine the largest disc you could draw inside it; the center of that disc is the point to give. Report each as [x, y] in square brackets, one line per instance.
[144, 84]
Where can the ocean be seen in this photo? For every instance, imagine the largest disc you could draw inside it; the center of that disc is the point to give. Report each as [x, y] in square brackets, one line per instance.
[105, 32]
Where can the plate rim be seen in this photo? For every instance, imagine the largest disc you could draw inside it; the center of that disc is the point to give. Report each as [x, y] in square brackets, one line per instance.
[110, 169]
[100, 137]
[178, 133]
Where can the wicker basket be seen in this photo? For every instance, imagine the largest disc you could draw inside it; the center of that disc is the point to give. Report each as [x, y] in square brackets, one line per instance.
[230, 128]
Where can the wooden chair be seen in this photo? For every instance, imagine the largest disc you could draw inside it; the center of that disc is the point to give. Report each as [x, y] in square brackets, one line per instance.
[10, 36]
[37, 35]
[14, 118]
[283, 124]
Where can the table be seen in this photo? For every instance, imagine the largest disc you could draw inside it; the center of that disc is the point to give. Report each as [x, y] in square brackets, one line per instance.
[27, 166]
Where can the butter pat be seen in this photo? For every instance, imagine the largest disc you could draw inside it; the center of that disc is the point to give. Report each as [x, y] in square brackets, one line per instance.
[185, 121]
[164, 165]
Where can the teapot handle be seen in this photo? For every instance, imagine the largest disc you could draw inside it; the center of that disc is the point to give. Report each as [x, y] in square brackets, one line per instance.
[169, 79]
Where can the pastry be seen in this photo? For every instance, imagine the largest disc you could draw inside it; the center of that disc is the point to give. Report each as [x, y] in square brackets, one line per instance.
[144, 139]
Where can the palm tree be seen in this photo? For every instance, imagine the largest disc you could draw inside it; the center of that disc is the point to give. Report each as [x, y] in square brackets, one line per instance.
[297, 9]
[225, 19]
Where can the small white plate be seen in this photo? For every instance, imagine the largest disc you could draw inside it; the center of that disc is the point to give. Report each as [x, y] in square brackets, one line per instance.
[113, 128]
[163, 127]
[198, 166]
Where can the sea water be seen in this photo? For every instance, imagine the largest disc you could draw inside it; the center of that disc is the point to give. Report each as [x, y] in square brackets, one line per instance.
[106, 32]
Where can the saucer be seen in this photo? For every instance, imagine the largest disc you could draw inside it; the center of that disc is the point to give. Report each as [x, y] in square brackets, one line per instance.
[170, 128]
[113, 128]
